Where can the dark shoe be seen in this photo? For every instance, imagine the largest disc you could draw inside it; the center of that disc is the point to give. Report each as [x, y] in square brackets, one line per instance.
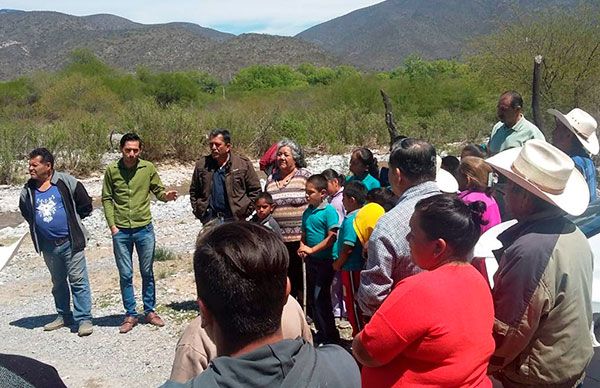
[128, 324]
[85, 328]
[59, 322]
[153, 319]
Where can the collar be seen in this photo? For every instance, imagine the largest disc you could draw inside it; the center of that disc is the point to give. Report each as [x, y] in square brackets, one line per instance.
[519, 124]
[226, 160]
[510, 234]
[140, 164]
[353, 212]
[337, 193]
[321, 206]
[420, 189]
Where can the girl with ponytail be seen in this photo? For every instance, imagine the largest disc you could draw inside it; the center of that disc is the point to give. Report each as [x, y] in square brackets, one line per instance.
[435, 328]
[475, 182]
[363, 167]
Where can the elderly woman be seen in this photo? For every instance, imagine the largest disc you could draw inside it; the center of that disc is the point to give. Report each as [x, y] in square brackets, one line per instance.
[435, 328]
[287, 187]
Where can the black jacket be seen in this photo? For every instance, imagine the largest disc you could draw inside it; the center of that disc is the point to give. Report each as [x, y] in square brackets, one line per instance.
[76, 201]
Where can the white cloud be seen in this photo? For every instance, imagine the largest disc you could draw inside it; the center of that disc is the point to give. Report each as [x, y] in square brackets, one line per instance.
[271, 16]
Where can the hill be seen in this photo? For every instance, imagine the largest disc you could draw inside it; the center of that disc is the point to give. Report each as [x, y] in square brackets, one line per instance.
[379, 37]
[40, 40]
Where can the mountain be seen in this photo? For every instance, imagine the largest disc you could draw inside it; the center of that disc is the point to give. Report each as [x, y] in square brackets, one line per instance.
[41, 40]
[379, 37]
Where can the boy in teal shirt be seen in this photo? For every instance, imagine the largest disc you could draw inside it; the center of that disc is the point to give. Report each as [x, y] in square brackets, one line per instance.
[319, 229]
[349, 256]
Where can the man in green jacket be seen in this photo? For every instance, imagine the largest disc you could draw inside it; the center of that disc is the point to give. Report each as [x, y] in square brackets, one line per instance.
[126, 200]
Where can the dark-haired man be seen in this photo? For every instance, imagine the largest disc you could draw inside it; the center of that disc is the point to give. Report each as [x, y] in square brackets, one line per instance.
[224, 185]
[513, 129]
[240, 270]
[412, 176]
[53, 204]
[126, 200]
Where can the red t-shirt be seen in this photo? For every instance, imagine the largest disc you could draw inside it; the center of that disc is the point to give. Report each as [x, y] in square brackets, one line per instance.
[435, 329]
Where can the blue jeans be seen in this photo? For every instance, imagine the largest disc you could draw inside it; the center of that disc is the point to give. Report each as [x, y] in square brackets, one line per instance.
[68, 269]
[143, 240]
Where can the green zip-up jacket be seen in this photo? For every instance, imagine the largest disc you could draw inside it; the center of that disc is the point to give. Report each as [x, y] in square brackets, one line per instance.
[126, 194]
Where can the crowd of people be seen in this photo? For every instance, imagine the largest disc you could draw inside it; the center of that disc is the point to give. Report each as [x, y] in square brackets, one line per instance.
[387, 249]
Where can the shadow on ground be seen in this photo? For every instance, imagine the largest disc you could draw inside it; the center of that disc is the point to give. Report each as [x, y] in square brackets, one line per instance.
[188, 305]
[33, 322]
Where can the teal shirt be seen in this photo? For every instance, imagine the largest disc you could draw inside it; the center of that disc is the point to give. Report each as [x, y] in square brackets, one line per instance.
[503, 137]
[347, 236]
[369, 181]
[316, 224]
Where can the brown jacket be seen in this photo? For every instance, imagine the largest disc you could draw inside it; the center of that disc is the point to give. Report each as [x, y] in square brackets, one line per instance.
[542, 301]
[241, 184]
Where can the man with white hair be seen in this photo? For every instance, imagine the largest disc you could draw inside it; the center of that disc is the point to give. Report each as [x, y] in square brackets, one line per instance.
[542, 289]
[575, 135]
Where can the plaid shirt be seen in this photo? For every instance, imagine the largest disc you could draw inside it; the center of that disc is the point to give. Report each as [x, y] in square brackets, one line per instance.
[388, 259]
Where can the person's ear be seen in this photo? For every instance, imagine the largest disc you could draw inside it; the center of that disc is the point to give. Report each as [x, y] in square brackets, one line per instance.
[207, 317]
[440, 247]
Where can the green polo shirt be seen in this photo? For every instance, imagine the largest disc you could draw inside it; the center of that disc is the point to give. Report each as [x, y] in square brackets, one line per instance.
[126, 193]
[316, 224]
[503, 137]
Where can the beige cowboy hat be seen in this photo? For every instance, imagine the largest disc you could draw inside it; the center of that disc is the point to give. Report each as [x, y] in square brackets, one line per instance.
[445, 181]
[583, 125]
[546, 172]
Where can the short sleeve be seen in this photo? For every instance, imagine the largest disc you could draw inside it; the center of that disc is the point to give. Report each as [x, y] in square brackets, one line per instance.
[347, 233]
[331, 218]
[304, 218]
[400, 321]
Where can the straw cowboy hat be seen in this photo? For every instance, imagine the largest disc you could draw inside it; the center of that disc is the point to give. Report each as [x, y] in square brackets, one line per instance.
[445, 181]
[546, 172]
[583, 125]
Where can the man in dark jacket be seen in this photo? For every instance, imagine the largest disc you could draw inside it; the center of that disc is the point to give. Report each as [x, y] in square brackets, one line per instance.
[53, 203]
[240, 271]
[224, 185]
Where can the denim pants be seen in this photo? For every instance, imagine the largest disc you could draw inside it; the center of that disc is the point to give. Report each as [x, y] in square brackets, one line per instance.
[68, 269]
[319, 275]
[123, 242]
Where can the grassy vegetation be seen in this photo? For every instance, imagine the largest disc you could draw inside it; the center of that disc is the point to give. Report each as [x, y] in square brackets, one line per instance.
[72, 112]
[164, 254]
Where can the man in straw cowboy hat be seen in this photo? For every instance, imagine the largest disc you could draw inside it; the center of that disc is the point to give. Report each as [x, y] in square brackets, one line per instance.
[575, 135]
[543, 284]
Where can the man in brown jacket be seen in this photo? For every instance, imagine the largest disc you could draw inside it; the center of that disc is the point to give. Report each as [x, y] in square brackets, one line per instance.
[224, 185]
[542, 289]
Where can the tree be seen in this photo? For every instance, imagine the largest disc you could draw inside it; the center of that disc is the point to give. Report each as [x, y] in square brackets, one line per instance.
[266, 77]
[568, 41]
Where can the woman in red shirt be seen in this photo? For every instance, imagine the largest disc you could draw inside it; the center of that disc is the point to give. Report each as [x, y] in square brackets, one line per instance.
[435, 328]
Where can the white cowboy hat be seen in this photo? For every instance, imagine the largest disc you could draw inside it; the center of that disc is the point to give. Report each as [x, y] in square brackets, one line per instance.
[546, 172]
[445, 181]
[583, 125]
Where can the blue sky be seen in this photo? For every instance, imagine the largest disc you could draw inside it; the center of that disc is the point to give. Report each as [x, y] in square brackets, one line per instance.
[235, 16]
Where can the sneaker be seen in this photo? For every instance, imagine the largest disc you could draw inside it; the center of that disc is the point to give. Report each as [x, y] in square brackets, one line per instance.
[154, 319]
[128, 324]
[342, 323]
[85, 328]
[59, 322]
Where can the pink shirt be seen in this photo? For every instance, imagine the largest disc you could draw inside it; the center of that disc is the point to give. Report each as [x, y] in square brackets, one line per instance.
[492, 212]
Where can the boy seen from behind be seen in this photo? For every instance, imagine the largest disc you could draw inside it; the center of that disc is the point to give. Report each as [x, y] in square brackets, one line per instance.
[319, 228]
[264, 206]
[349, 256]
